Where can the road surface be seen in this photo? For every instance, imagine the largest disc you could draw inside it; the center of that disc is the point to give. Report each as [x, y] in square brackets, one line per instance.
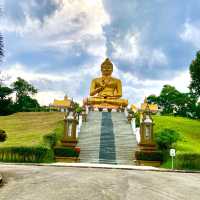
[72, 183]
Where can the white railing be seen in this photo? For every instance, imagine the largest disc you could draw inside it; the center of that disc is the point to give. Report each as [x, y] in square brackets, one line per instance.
[135, 130]
[126, 112]
[78, 127]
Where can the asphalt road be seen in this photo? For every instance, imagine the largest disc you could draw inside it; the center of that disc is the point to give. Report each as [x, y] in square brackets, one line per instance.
[66, 183]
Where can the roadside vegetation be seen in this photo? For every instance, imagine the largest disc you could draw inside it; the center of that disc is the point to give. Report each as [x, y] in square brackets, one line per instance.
[188, 146]
[30, 136]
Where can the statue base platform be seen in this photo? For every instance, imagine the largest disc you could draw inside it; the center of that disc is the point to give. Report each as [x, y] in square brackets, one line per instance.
[147, 147]
[69, 143]
[106, 103]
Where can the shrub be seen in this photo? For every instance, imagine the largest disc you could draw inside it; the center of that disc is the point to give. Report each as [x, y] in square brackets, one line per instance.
[26, 154]
[149, 155]
[3, 135]
[50, 139]
[137, 119]
[166, 138]
[187, 160]
[66, 152]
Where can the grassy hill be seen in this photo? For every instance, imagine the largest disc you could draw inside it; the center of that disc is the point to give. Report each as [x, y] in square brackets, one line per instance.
[189, 130]
[28, 128]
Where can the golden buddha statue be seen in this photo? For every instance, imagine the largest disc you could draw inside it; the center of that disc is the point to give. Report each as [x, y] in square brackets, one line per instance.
[105, 92]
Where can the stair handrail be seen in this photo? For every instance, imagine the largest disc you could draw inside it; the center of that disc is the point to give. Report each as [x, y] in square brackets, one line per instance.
[135, 130]
[78, 129]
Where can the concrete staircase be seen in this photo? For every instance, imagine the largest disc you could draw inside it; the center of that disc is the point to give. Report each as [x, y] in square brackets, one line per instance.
[89, 138]
[107, 138]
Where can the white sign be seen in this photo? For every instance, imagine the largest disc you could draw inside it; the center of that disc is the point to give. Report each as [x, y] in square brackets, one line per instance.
[172, 152]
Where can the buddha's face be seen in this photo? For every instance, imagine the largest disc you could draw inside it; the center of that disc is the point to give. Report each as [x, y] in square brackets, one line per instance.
[106, 70]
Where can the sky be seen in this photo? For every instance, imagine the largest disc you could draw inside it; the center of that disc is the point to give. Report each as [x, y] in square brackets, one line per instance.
[59, 45]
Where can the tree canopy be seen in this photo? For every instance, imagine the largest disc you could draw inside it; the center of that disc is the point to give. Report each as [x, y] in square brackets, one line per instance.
[23, 88]
[195, 75]
[174, 102]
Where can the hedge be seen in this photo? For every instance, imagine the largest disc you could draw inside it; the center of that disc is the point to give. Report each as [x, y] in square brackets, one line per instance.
[26, 154]
[187, 160]
[149, 155]
[65, 152]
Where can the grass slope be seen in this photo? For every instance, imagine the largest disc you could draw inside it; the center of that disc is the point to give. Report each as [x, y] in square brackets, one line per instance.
[188, 128]
[27, 129]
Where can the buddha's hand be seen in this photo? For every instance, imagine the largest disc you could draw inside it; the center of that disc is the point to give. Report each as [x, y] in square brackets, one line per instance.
[99, 89]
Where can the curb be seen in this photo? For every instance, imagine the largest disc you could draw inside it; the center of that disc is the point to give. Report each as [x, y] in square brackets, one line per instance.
[101, 166]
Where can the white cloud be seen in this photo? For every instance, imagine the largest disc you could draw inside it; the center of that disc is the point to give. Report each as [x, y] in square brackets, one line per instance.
[48, 84]
[157, 57]
[136, 90]
[77, 22]
[191, 34]
[127, 48]
[130, 49]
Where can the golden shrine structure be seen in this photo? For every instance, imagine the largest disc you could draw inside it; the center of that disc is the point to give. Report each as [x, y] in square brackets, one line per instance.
[153, 107]
[61, 105]
[106, 91]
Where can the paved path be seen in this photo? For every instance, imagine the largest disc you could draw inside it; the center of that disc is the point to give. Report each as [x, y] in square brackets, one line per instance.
[65, 183]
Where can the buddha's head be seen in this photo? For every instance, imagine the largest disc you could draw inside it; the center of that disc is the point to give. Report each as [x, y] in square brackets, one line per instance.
[107, 67]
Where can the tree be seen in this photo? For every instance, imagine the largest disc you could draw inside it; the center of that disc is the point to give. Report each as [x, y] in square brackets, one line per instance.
[6, 104]
[168, 99]
[195, 75]
[174, 102]
[23, 88]
[152, 99]
[26, 104]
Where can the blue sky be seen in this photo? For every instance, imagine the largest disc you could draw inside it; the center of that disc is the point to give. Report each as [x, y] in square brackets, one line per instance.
[58, 45]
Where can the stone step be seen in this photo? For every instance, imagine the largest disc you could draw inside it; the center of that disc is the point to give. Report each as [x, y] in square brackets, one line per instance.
[90, 138]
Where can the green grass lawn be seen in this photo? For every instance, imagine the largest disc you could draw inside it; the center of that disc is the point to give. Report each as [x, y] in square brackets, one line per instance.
[28, 128]
[189, 130]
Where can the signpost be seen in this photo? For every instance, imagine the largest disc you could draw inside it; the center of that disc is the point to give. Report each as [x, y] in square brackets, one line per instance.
[172, 154]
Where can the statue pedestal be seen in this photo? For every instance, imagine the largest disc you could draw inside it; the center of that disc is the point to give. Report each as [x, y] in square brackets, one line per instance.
[69, 142]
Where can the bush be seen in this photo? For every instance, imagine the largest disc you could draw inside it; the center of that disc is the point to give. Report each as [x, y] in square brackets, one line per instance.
[149, 155]
[137, 119]
[3, 135]
[166, 138]
[26, 154]
[187, 160]
[50, 139]
[66, 152]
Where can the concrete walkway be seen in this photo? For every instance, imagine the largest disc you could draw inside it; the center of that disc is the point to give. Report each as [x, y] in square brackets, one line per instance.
[22, 182]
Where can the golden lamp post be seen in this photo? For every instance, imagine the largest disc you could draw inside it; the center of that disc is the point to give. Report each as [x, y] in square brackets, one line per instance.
[146, 131]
